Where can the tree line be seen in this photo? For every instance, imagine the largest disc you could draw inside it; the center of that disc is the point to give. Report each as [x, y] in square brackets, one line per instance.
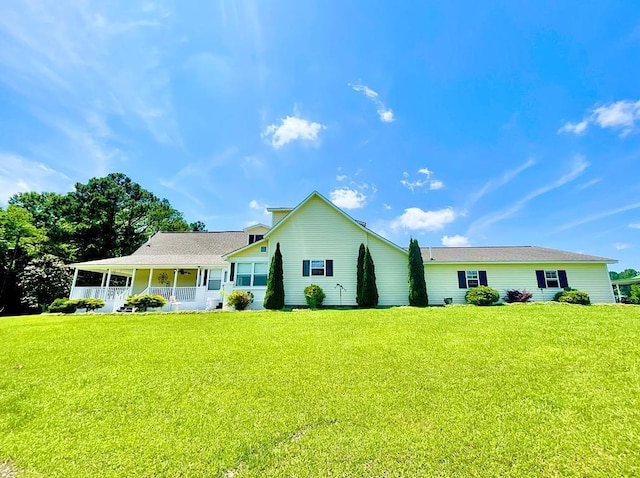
[107, 217]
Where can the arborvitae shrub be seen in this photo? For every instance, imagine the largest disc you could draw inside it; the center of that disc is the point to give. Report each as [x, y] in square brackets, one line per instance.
[274, 296]
[417, 285]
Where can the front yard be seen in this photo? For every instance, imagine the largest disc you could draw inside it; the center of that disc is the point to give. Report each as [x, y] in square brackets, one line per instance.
[523, 390]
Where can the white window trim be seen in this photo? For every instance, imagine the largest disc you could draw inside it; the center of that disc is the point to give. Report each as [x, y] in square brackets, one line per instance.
[556, 279]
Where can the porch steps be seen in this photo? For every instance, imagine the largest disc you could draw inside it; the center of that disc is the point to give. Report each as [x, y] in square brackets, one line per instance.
[126, 310]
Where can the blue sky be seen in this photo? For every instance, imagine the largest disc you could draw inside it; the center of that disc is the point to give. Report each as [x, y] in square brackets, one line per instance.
[459, 123]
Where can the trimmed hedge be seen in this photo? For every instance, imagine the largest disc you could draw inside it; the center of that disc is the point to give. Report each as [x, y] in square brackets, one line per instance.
[482, 295]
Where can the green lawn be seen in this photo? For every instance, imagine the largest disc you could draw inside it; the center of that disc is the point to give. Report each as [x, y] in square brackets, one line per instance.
[533, 390]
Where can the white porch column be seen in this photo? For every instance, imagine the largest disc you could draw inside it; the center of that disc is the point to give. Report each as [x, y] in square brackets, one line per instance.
[133, 278]
[106, 288]
[198, 278]
[175, 281]
[150, 277]
[73, 282]
[104, 276]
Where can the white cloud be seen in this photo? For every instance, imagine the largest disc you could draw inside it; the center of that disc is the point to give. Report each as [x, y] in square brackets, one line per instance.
[432, 184]
[415, 219]
[292, 128]
[578, 166]
[600, 215]
[634, 226]
[341, 177]
[346, 198]
[576, 128]
[255, 205]
[19, 175]
[385, 114]
[435, 185]
[501, 181]
[620, 246]
[387, 206]
[619, 115]
[455, 241]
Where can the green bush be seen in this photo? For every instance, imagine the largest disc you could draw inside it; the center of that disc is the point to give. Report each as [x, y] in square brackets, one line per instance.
[557, 296]
[240, 299]
[64, 305]
[575, 297]
[482, 295]
[143, 302]
[634, 295]
[314, 295]
[89, 304]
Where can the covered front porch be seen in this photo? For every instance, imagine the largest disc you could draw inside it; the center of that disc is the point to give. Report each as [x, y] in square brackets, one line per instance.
[187, 288]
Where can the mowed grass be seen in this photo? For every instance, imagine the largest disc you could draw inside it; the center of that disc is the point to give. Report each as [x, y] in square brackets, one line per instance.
[533, 390]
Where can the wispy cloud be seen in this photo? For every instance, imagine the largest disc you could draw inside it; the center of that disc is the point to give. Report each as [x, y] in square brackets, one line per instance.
[621, 246]
[415, 219]
[426, 182]
[292, 128]
[346, 198]
[18, 175]
[619, 115]
[588, 184]
[578, 166]
[455, 241]
[600, 215]
[87, 65]
[634, 226]
[341, 177]
[506, 177]
[256, 206]
[385, 114]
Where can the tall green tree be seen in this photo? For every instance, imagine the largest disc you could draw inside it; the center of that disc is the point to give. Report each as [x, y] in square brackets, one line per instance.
[369, 287]
[43, 280]
[115, 215]
[417, 285]
[360, 274]
[274, 296]
[20, 239]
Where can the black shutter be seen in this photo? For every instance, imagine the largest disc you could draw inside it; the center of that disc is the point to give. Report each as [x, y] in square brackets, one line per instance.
[462, 279]
[205, 276]
[305, 268]
[483, 277]
[329, 267]
[562, 275]
[233, 270]
[541, 282]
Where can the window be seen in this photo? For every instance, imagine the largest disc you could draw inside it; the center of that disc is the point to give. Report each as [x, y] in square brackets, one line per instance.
[255, 238]
[552, 279]
[243, 274]
[471, 278]
[214, 279]
[317, 267]
[263, 248]
[251, 274]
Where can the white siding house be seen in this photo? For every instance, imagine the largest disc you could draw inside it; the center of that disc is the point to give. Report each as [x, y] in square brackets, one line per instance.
[319, 244]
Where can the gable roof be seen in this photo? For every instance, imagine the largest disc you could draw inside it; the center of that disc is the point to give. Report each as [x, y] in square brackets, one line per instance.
[316, 194]
[505, 254]
[178, 249]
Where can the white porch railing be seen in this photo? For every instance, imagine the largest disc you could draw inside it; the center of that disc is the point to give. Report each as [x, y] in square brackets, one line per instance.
[105, 293]
[181, 294]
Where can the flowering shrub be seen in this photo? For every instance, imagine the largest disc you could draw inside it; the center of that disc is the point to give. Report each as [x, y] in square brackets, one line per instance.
[314, 295]
[482, 295]
[240, 299]
[514, 295]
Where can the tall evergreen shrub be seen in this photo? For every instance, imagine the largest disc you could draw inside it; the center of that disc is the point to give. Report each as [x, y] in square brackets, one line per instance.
[369, 288]
[417, 285]
[360, 274]
[274, 297]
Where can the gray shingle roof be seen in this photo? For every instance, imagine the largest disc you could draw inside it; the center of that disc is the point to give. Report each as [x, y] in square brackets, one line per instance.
[179, 249]
[506, 254]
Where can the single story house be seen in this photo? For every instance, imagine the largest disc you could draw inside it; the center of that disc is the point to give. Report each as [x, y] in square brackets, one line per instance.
[319, 244]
